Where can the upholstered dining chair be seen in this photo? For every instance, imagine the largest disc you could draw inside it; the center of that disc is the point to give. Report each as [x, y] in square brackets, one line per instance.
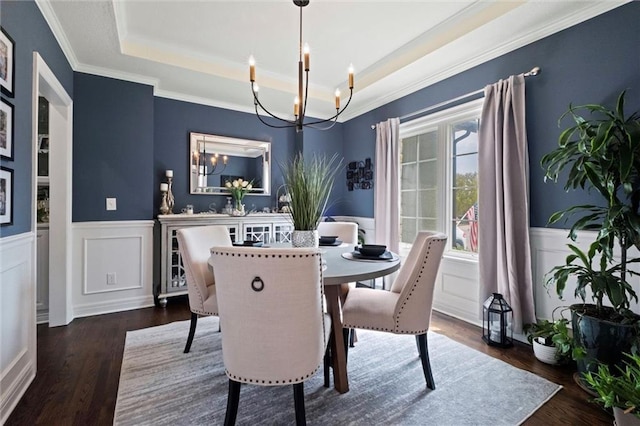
[406, 308]
[194, 244]
[275, 331]
[345, 231]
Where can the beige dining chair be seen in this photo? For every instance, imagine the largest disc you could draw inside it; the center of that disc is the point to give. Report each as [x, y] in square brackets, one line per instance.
[275, 331]
[406, 308]
[194, 244]
[345, 231]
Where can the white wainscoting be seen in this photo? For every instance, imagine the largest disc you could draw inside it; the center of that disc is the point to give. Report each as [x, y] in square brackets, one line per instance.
[549, 249]
[457, 287]
[17, 320]
[122, 250]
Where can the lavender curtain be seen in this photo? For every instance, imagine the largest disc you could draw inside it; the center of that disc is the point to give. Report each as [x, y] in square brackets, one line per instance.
[386, 204]
[503, 198]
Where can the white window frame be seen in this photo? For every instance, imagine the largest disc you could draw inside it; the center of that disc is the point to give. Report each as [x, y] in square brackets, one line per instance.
[468, 110]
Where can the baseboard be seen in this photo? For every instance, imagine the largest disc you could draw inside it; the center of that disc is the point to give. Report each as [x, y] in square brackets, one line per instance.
[111, 306]
[10, 397]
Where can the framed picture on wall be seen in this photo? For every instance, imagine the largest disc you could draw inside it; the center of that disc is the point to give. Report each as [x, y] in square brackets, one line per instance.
[7, 64]
[6, 129]
[6, 196]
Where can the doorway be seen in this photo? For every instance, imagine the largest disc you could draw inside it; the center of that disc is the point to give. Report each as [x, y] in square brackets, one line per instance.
[60, 130]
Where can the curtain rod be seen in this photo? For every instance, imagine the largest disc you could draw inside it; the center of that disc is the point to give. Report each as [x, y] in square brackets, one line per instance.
[534, 71]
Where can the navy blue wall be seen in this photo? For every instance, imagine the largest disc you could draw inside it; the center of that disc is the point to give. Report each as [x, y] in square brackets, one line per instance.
[588, 63]
[174, 120]
[113, 149]
[23, 21]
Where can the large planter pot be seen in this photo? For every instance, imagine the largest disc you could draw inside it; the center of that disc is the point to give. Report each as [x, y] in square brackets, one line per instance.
[604, 341]
[623, 419]
[304, 238]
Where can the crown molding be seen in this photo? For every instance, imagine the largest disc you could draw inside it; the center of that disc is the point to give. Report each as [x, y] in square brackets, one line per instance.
[597, 8]
[58, 32]
[119, 75]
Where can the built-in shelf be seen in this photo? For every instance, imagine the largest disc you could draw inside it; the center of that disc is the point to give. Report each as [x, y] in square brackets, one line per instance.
[43, 180]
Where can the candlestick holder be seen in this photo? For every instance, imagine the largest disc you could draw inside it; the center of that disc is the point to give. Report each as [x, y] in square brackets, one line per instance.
[170, 199]
[164, 207]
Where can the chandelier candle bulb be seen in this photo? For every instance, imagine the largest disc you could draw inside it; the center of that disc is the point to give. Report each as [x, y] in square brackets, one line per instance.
[169, 173]
[252, 69]
[164, 187]
[350, 76]
[337, 98]
[306, 57]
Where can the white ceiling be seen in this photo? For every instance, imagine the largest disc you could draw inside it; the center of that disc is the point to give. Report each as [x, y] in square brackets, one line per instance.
[198, 50]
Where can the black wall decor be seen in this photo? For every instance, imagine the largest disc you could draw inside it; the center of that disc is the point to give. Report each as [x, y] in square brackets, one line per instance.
[360, 174]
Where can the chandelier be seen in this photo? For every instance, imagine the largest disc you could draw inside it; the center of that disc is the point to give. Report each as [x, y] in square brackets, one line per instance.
[200, 159]
[300, 102]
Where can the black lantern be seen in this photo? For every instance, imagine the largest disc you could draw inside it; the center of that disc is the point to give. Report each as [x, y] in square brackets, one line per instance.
[496, 322]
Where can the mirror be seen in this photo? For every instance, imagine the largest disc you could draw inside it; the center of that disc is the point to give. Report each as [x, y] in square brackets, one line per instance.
[217, 159]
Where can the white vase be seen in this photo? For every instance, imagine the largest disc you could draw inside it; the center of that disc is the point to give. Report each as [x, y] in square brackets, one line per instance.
[304, 238]
[546, 354]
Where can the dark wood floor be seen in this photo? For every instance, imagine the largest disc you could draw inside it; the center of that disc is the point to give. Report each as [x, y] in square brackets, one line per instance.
[79, 369]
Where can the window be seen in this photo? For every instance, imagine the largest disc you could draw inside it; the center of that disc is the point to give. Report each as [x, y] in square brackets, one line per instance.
[439, 177]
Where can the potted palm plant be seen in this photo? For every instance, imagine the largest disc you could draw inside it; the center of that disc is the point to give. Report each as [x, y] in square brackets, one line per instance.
[601, 152]
[309, 185]
[619, 391]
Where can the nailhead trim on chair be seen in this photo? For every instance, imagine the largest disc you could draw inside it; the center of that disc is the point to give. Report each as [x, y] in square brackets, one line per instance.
[271, 382]
[413, 287]
[284, 381]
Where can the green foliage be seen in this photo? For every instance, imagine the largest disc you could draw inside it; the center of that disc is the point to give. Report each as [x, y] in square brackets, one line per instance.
[555, 333]
[601, 152]
[618, 390]
[309, 184]
[466, 192]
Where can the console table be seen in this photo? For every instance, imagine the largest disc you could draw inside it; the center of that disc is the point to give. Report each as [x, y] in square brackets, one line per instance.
[267, 227]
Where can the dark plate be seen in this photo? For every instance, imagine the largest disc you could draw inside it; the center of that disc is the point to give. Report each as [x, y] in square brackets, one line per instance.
[249, 244]
[336, 243]
[384, 256]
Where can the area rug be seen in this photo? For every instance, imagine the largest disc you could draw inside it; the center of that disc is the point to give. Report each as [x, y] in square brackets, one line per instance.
[160, 385]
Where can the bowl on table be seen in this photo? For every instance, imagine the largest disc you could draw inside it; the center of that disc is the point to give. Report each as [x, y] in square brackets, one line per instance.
[372, 250]
[328, 239]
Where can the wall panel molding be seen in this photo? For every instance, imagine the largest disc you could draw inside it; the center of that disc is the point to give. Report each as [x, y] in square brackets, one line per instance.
[17, 319]
[123, 250]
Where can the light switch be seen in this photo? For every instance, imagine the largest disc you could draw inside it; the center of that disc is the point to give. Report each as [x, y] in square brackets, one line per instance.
[111, 204]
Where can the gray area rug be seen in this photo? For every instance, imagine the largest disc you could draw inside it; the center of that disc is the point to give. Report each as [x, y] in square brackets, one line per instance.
[159, 385]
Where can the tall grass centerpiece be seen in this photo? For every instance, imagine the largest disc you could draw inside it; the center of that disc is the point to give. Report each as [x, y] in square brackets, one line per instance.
[309, 185]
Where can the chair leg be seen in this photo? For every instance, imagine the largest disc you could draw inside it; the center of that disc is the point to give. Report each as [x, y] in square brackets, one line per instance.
[327, 364]
[346, 335]
[192, 332]
[298, 400]
[232, 403]
[352, 337]
[421, 339]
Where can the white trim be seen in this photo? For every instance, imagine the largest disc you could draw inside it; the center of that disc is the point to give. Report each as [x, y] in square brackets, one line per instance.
[554, 27]
[114, 224]
[46, 84]
[107, 307]
[57, 30]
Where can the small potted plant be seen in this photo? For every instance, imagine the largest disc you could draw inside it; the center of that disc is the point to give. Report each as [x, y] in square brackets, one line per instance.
[552, 341]
[619, 391]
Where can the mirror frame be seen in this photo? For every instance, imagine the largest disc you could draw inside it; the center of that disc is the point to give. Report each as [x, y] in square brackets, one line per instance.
[233, 147]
